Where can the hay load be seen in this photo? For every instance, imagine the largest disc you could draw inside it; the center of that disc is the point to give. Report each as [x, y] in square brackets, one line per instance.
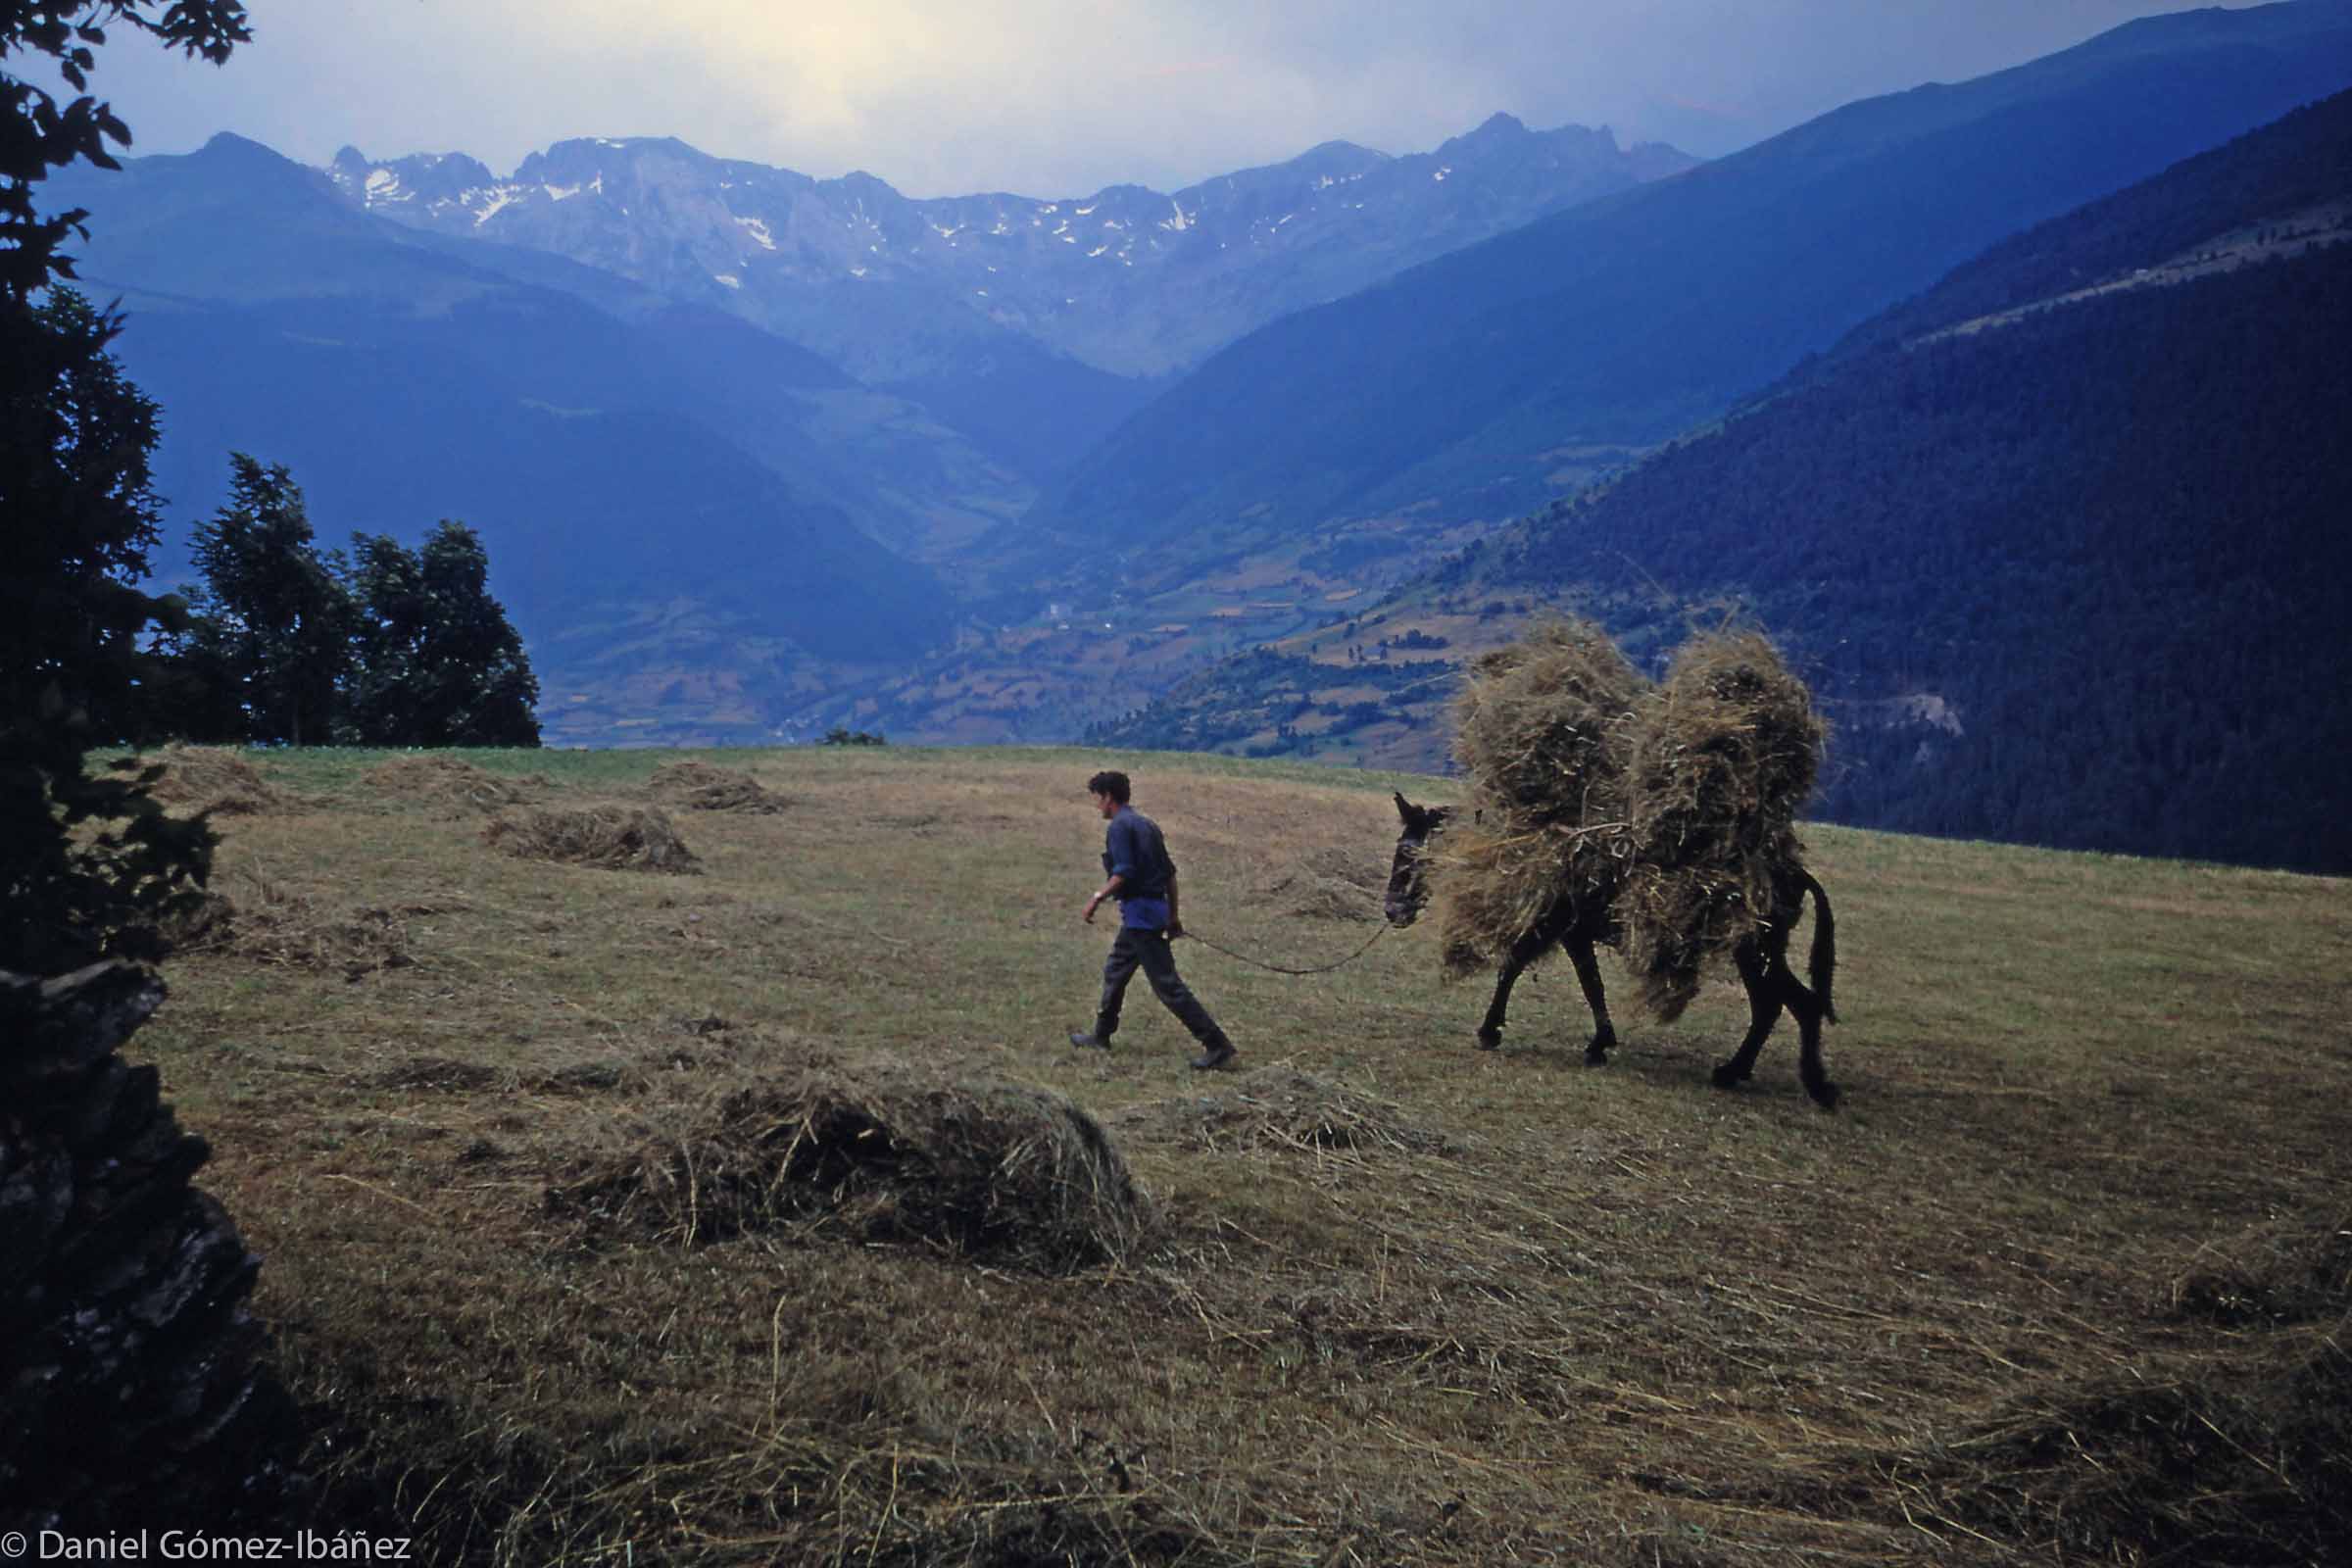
[882, 1153]
[1538, 724]
[1721, 757]
[607, 837]
[1540, 728]
[1667, 804]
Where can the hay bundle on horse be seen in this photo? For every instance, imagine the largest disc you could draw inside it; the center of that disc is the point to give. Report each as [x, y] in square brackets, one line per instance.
[1606, 809]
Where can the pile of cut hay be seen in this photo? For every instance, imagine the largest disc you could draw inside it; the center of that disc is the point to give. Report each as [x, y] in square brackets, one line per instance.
[1668, 804]
[1721, 759]
[701, 787]
[1004, 1172]
[1280, 1108]
[608, 837]
[270, 924]
[2292, 1271]
[448, 781]
[1327, 884]
[1540, 727]
[2239, 1453]
[211, 778]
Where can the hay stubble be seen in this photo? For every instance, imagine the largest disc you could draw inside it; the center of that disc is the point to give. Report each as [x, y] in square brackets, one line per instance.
[1417, 1302]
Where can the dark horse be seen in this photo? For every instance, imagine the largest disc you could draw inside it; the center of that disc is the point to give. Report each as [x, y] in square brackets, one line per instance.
[1578, 925]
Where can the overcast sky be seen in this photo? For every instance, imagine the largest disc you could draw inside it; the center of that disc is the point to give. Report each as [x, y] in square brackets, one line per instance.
[1054, 97]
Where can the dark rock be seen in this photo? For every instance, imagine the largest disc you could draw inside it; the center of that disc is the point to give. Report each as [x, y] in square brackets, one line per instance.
[132, 1389]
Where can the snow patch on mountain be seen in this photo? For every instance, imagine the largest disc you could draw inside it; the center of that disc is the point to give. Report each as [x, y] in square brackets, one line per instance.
[495, 202]
[1218, 259]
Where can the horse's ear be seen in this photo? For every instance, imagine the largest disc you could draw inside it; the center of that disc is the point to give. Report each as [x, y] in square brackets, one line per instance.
[1407, 812]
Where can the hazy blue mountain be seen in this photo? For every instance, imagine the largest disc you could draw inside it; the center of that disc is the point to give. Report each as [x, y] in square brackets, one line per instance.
[413, 369]
[1034, 326]
[1453, 389]
[1128, 280]
[237, 224]
[2060, 541]
[611, 461]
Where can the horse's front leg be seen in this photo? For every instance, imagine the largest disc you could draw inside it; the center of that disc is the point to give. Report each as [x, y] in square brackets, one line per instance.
[1490, 1032]
[1588, 975]
[1523, 953]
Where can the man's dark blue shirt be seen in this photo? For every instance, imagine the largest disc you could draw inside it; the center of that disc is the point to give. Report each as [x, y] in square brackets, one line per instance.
[1135, 851]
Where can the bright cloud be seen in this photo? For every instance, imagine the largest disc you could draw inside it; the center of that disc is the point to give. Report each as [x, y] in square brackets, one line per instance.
[1055, 98]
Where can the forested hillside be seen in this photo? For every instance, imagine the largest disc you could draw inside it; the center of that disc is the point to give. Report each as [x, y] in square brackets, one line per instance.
[2110, 540]
[2255, 189]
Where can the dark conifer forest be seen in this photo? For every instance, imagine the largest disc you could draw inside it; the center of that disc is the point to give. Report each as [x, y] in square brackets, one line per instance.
[2111, 538]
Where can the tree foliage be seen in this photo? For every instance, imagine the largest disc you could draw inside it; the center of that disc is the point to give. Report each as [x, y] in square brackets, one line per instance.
[38, 134]
[436, 661]
[273, 616]
[386, 647]
[75, 485]
[86, 863]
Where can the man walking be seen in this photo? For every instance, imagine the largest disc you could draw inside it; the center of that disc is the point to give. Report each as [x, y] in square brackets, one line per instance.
[1141, 877]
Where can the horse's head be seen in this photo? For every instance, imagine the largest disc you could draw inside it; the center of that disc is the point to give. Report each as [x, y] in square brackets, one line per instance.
[1408, 881]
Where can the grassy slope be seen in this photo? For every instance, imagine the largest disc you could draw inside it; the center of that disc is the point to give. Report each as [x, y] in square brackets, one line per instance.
[1618, 1316]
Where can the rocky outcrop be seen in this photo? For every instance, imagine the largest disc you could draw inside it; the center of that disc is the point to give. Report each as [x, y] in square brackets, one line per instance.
[131, 1388]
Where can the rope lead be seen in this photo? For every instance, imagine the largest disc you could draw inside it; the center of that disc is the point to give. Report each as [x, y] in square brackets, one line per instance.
[1378, 932]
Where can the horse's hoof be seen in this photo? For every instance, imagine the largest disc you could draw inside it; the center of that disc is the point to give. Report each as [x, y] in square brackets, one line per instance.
[1488, 1039]
[1728, 1076]
[1825, 1095]
[1597, 1055]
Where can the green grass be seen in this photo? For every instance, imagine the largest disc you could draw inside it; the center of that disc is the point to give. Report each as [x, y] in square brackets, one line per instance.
[1525, 1311]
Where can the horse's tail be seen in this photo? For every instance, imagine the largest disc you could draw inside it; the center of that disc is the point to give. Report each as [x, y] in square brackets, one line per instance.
[1822, 966]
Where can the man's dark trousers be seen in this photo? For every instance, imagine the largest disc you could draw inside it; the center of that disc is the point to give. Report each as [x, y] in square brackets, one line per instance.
[1152, 950]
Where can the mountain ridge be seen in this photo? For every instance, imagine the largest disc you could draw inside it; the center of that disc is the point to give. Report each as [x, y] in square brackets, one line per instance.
[1634, 315]
[749, 230]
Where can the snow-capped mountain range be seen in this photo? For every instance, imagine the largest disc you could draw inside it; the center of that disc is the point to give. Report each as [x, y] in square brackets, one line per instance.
[1127, 280]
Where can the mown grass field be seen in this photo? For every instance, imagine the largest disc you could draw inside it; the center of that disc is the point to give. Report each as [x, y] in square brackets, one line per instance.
[1400, 1300]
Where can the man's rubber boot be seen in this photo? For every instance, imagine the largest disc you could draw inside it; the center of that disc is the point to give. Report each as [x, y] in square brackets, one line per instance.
[1087, 1040]
[1216, 1055]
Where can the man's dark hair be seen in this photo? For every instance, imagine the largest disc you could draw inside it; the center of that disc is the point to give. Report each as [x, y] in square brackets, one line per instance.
[1108, 783]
